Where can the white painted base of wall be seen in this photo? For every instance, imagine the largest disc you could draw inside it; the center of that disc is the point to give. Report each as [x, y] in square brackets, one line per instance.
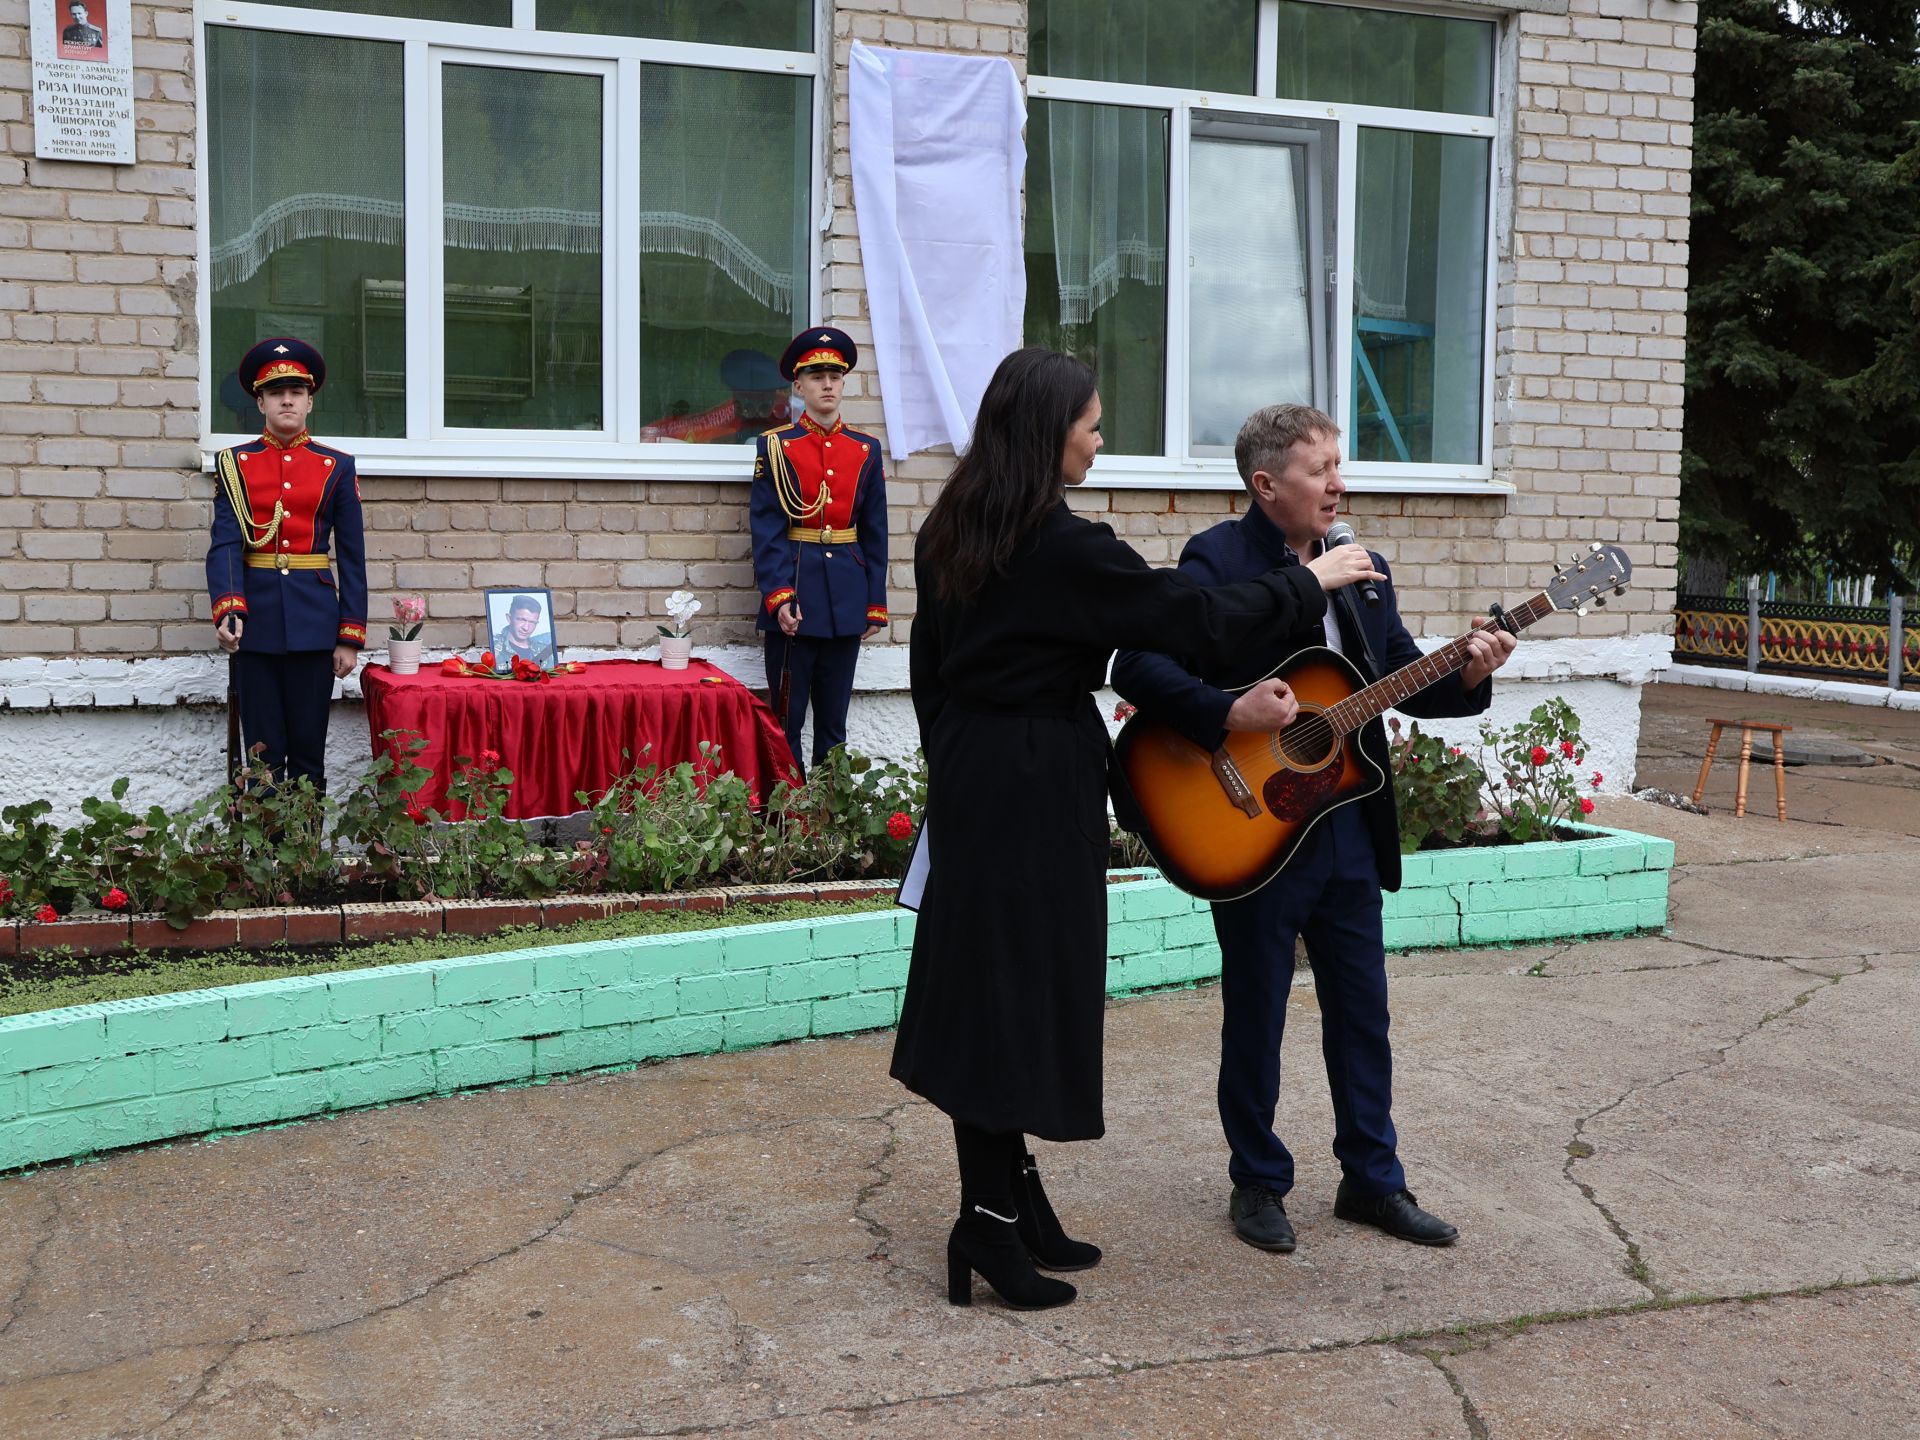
[71, 728]
[1797, 687]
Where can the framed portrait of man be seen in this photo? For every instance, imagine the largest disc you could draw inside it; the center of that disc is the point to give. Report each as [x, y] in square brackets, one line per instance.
[520, 624]
[83, 33]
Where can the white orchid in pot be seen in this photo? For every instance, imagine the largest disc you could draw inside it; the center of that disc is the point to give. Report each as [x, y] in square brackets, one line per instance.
[676, 641]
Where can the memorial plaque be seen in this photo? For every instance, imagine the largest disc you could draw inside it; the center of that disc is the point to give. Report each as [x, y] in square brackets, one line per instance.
[83, 80]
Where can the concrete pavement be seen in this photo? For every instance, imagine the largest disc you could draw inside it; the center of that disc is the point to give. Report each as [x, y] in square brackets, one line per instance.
[1685, 1170]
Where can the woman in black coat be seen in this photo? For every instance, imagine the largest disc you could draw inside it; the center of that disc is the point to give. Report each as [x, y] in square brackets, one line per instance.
[1021, 604]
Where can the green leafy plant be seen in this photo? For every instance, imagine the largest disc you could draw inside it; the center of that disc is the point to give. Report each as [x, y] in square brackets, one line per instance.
[1437, 789]
[655, 831]
[483, 853]
[854, 818]
[384, 821]
[118, 860]
[30, 869]
[1534, 777]
[265, 838]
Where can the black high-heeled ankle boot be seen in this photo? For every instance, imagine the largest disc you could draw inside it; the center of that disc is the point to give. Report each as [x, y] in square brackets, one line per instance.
[985, 1242]
[1048, 1244]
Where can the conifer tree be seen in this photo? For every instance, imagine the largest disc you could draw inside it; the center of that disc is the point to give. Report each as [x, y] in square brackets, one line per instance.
[1802, 444]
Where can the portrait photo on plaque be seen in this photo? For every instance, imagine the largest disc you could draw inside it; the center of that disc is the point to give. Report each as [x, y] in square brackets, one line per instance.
[520, 625]
[83, 30]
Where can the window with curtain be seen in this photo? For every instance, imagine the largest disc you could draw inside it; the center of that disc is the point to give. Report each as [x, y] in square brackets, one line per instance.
[724, 160]
[623, 243]
[466, 12]
[1195, 44]
[767, 24]
[299, 234]
[1096, 243]
[523, 236]
[1210, 254]
[1419, 297]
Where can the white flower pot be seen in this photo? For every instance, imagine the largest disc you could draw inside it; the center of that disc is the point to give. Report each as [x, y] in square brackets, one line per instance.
[403, 656]
[674, 650]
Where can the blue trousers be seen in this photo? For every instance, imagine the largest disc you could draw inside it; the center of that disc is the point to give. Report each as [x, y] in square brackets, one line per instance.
[1330, 895]
[284, 701]
[820, 674]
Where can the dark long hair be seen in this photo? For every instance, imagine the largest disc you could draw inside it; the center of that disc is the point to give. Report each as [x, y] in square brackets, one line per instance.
[1010, 476]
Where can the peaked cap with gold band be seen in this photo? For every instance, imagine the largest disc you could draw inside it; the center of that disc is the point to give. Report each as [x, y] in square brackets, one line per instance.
[822, 345]
[281, 360]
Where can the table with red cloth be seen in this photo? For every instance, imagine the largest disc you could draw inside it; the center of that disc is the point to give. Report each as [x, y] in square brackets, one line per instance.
[568, 734]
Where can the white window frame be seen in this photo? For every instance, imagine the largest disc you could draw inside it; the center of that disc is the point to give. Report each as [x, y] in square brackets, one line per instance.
[431, 449]
[1181, 471]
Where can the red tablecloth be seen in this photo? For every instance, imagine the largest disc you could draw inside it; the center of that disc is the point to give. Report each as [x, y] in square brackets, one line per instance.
[567, 735]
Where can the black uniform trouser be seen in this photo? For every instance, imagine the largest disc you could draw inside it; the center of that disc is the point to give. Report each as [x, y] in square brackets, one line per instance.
[820, 672]
[284, 701]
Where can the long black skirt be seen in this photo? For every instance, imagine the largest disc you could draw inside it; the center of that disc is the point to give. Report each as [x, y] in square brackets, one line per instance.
[1004, 1010]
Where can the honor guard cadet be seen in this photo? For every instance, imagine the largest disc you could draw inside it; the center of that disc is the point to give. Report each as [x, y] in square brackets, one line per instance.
[819, 513]
[289, 627]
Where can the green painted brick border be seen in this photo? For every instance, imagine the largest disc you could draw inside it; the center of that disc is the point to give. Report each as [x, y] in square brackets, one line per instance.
[97, 1077]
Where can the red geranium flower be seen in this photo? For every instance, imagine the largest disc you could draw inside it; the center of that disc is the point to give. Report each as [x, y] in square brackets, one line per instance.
[6, 890]
[46, 914]
[1539, 755]
[114, 899]
[415, 813]
[1596, 779]
[1566, 748]
[1586, 806]
[489, 759]
[900, 825]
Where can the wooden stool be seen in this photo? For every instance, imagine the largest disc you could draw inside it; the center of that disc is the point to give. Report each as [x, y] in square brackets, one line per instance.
[1747, 727]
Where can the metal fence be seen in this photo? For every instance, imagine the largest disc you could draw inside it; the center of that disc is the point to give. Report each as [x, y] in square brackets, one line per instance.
[1836, 642]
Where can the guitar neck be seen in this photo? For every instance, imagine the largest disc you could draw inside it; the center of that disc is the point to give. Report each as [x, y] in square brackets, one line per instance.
[1358, 708]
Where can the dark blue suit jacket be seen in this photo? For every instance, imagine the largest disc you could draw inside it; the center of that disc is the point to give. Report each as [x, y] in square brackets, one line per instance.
[1195, 701]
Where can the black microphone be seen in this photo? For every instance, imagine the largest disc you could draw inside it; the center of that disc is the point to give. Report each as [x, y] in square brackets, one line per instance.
[1341, 533]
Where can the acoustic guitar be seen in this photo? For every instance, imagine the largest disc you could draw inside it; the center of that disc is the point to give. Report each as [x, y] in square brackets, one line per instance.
[1221, 825]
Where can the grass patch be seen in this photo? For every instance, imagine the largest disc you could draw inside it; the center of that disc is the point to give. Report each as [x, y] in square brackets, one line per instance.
[52, 980]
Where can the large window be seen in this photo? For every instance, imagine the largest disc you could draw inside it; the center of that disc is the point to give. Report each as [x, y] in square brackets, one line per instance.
[1243, 202]
[564, 248]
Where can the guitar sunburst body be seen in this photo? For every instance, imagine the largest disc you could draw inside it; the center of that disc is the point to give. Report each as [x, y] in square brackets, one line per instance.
[1204, 839]
[1221, 825]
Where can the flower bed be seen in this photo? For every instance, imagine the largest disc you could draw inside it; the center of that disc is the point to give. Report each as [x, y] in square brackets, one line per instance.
[96, 1077]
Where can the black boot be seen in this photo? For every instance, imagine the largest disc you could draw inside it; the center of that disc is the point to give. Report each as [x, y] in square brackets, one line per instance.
[1039, 1227]
[986, 1237]
[986, 1242]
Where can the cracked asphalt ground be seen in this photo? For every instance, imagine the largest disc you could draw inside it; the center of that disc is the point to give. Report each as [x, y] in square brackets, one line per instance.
[1684, 1168]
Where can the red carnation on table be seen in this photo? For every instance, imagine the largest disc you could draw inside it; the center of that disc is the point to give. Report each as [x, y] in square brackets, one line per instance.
[1539, 755]
[900, 825]
[1586, 805]
[114, 899]
[46, 914]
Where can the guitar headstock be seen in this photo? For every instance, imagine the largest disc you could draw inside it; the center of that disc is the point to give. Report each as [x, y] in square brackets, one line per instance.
[1588, 577]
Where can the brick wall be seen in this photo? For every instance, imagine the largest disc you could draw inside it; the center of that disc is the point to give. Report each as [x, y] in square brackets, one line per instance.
[103, 509]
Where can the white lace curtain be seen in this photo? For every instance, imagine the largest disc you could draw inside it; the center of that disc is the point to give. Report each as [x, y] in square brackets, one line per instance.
[1109, 194]
[1384, 242]
[307, 144]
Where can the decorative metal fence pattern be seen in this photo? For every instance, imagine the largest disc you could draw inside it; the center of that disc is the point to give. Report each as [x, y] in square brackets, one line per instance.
[1842, 641]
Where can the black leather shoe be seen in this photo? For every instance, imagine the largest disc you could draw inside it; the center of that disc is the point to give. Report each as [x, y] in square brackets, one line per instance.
[1260, 1218]
[1399, 1214]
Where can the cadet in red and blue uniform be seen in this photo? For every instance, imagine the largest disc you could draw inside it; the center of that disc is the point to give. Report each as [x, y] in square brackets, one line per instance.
[290, 629]
[819, 515]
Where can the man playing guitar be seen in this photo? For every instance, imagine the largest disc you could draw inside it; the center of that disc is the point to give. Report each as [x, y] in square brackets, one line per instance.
[1329, 893]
